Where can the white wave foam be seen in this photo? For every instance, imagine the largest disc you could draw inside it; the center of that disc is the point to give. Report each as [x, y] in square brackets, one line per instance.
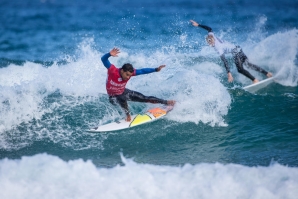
[46, 176]
[277, 53]
[26, 86]
[26, 113]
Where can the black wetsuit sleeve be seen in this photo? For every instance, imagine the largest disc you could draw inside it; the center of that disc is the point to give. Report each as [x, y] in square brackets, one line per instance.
[223, 58]
[205, 27]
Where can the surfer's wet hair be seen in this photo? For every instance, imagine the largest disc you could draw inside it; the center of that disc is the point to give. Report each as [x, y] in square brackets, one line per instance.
[127, 67]
[209, 38]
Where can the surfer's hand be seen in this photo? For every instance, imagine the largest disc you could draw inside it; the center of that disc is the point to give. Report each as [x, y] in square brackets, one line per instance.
[114, 52]
[230, 77]
[160, 67]
[128, 118]
[194, 23]
[269, 74]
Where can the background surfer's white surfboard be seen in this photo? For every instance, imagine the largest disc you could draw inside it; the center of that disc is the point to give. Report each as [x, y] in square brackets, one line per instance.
[257, 86]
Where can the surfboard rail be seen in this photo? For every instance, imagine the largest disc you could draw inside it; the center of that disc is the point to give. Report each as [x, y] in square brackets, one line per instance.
[148, 116]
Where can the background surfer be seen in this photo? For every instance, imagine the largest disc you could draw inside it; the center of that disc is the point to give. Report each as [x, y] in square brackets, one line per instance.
[223, 47]
[118, 78]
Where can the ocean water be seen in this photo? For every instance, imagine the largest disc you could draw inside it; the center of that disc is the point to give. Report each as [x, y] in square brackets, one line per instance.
[218, 142]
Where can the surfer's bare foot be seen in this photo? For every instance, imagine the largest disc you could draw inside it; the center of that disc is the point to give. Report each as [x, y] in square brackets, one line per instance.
[171, 102]
[128, 118]
[255, 81]
[269, 74]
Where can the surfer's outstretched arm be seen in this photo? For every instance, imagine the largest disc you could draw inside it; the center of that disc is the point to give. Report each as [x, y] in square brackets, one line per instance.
[200, 25]
[105, 58]
[149, 70]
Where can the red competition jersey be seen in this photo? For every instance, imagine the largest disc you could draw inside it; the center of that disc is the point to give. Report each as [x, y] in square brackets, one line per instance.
[115, 84]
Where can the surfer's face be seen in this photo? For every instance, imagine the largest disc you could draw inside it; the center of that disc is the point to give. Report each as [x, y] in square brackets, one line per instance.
[125, 74]
[210, 40]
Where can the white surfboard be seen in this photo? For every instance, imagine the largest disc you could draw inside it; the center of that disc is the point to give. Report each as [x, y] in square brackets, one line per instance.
[257, 86]
[149, 116]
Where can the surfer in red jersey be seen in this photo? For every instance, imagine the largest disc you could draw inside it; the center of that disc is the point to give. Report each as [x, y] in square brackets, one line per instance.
[118, 78]
[223, 47]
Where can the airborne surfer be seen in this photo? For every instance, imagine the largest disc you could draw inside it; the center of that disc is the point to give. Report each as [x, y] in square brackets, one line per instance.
[118, 78]
[223, 47]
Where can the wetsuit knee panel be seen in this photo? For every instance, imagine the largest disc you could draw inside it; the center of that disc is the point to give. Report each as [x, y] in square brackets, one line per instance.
[113, 100]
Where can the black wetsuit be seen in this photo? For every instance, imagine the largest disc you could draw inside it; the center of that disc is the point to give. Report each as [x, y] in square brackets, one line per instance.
[129, 95]
[223, 47]
[240, 58]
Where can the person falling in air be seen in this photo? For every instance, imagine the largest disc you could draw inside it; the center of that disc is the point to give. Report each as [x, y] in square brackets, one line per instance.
[223, 47]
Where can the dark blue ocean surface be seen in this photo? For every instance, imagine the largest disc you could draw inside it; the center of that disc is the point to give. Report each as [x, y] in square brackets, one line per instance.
[46, 30]
[218, 140]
